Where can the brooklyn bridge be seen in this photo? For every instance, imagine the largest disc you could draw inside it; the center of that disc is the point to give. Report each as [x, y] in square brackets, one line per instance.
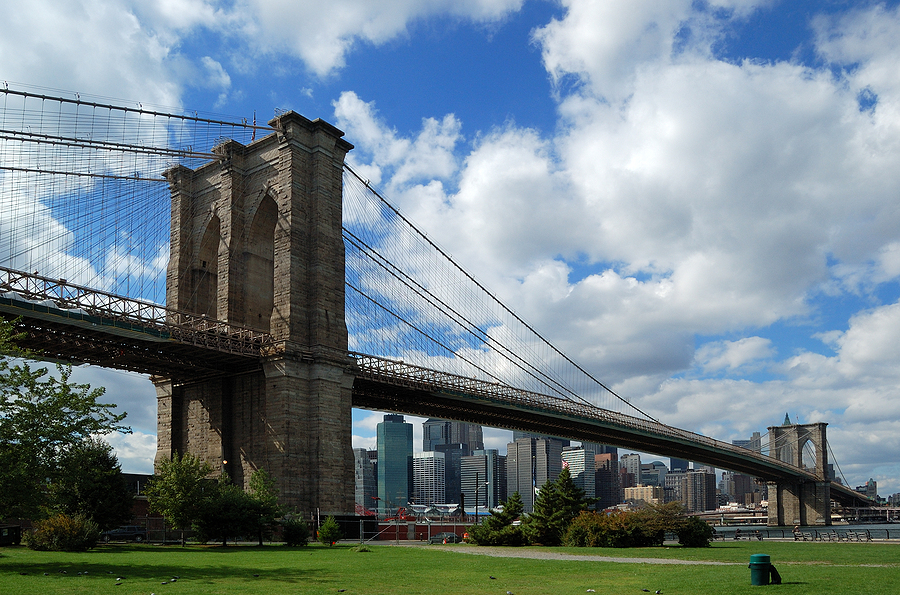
[267, 289]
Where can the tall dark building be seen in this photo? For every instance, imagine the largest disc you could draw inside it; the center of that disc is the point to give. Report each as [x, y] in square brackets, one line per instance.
[440, 431]
[606, 480]
[600, 449]
[487, 470]
[698, 491]
[678, 465]
[366, 480]
[520, 471]
[455, 439]
[395, 452]
[530, 463]
[453, 454]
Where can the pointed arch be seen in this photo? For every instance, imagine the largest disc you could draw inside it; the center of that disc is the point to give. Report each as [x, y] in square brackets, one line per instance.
[259, 263]
[206, 270]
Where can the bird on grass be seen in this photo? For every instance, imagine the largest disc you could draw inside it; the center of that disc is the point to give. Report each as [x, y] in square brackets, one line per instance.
[493, 578]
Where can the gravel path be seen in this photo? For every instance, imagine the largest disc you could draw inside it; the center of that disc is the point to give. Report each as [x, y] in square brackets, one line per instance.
[542, 555]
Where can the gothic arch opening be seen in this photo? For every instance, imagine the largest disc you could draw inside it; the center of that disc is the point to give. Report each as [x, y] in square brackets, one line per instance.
[808, 455]
[205, 271]
[259, 263]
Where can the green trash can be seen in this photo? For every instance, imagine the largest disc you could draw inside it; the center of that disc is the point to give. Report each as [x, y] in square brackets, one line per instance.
[759, 569]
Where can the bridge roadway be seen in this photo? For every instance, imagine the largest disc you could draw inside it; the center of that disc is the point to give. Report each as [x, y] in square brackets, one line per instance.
[65, 322]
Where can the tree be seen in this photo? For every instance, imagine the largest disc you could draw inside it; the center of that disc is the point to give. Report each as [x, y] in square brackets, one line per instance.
[226, 511]
[294, 530]
[177, 490]
[498, 529]
[264, 492]
[89, 483]
[695, 532]
[330, 531]
[557, 505]
[40, 417]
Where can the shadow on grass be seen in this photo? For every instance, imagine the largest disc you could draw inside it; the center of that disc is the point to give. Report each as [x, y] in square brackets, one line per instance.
[204, 564]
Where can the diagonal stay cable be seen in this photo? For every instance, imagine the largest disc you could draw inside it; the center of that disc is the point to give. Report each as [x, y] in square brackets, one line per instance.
[420, 331]
[463, 322]
[496, 300]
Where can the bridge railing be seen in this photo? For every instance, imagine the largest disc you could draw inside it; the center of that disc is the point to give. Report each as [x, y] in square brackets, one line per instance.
[416, 377]
[185, 327]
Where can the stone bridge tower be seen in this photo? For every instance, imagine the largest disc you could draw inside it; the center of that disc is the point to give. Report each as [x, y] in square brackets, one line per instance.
[799, 502]
[256, 241]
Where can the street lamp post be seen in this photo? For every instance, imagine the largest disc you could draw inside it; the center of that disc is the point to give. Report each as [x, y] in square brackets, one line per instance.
[477, 485]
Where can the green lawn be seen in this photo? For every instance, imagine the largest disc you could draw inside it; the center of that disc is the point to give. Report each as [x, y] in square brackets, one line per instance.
[820, 568]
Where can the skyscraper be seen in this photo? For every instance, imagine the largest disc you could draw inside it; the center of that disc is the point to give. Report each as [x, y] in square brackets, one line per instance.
[678, 465]
[754, 443]
[698, 491]
[520, 471]
[487, 469]
[582, 468]
[600, 449]
[428, 478]
[530, 463]
[632, 464]
[606, 480]
[366, 480]
[395, 450]
[453, 454]
[547, 460]
[440, 431]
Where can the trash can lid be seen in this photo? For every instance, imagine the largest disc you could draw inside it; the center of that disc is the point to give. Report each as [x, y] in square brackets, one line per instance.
[759, 559]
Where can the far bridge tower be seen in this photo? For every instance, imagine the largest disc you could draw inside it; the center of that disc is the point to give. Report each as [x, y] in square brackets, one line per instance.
[800, 502]
[256, 241]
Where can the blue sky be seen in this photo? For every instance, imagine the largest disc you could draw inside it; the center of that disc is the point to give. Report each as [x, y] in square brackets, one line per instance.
[695, 200]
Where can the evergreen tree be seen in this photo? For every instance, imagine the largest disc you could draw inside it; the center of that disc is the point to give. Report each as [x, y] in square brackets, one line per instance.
[557, 505]
[330, 531]
[498, 529]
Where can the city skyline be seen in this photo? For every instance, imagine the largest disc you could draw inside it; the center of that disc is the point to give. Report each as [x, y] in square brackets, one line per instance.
[696, 201]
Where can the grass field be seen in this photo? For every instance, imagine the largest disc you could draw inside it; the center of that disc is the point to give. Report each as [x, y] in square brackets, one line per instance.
[820, 568]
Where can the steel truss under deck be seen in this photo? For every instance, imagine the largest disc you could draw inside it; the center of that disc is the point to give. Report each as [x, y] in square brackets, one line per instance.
[72, 323]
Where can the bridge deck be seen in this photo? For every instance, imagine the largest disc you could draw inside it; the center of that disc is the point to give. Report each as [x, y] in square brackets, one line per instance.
[70, 323]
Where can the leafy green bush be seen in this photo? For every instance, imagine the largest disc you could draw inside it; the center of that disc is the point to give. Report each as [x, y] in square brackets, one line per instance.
[695, 532]
[295, 531]
[63, 533]
[330, 531]
[616, 529]
[640, 528]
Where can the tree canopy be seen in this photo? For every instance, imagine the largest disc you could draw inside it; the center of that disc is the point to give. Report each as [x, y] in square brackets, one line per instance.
[89, 483]
[41, 417]
[176, 490]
